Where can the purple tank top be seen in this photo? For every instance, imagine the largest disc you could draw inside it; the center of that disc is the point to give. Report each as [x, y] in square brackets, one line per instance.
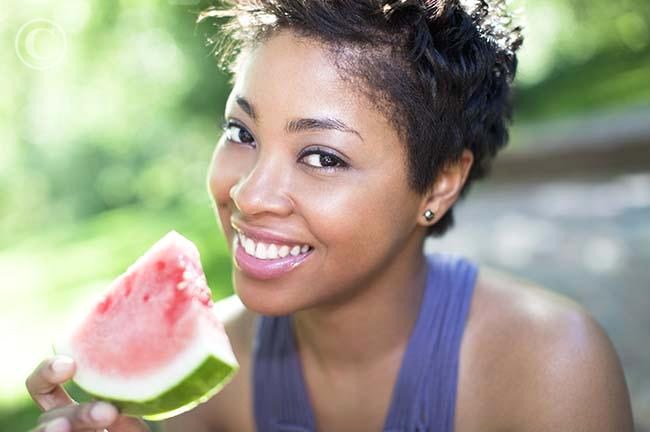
[424, 396]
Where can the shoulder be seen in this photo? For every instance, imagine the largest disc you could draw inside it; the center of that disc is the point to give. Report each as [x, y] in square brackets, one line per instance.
[535, 360]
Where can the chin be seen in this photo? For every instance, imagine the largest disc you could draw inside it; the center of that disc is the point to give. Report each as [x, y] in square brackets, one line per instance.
[263, 297]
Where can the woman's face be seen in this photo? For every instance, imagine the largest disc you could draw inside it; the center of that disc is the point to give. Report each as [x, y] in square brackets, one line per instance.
[306, 164]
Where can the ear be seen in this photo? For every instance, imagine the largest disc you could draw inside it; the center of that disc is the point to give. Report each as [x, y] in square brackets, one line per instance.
[446, 189]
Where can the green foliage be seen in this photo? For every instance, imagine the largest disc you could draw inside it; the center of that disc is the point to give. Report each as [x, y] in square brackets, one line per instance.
[582, 56]
[610, 80]
[128, 116]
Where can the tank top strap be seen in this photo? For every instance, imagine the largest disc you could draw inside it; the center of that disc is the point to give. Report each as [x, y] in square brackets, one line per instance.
[280, 398]
[424, 397]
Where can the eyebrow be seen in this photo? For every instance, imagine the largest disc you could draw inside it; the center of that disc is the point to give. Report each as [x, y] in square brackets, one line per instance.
[246, 106]
[302, 124]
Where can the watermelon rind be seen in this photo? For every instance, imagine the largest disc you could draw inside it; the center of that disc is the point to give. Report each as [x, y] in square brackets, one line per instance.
[203, 361]
[194, 377]
[199, 386]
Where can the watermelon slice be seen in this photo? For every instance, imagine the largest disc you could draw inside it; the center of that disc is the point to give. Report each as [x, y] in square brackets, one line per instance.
[153, 346]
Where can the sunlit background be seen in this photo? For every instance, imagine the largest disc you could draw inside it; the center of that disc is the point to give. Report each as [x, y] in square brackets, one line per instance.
[109, 112]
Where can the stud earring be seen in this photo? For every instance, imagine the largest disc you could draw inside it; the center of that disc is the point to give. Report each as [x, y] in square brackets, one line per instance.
[429, 215]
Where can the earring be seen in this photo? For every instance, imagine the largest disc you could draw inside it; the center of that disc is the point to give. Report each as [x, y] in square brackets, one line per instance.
[429, 215]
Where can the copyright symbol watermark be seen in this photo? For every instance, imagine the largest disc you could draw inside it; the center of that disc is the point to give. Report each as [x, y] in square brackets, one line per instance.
[41, 44]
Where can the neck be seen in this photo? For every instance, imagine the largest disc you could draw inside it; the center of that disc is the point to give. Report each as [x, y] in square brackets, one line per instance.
[373, 325]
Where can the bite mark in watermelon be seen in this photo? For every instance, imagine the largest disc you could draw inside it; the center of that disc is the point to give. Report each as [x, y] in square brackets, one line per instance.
[153, 345]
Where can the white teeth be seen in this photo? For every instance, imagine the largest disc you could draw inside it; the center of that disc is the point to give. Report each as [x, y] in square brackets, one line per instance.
[271, 251]
[284, 251]
[260, 251]
[249, 246]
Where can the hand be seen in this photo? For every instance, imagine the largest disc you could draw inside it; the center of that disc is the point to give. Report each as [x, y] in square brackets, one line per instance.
[61, 413]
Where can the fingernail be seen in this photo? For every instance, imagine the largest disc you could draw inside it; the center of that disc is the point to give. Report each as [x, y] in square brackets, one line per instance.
[62, 364]
[103, 412]
[57, 425]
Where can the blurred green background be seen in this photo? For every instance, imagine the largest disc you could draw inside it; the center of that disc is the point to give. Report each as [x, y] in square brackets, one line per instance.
[109, 112]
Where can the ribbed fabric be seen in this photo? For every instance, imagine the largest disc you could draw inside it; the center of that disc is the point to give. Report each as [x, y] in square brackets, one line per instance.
[424, 397]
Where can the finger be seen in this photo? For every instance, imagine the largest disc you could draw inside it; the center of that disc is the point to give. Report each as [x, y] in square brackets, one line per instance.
[96, 415]
[129, 424]
[121, 423]
[56, 425]
[44, 384]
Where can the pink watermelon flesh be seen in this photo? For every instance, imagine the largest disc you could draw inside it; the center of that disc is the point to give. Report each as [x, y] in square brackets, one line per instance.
[150, 303]
[151, 316]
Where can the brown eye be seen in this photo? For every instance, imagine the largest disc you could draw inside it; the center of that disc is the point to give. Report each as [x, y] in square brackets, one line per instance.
[319, 159]
[237, 133]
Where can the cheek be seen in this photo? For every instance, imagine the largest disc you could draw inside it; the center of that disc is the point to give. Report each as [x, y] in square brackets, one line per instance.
[362, 227]
[228, 165]
[219, 178]
[362, 219]
[225, 171]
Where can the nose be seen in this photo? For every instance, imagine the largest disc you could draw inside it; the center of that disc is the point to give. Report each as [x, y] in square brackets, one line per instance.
[264, 190]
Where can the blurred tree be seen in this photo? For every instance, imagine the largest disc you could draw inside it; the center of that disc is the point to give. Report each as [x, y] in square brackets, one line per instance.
[127, 117]
[581, 56]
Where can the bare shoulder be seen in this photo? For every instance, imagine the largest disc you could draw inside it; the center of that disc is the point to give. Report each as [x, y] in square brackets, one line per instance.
[230, 409]
[534, 360]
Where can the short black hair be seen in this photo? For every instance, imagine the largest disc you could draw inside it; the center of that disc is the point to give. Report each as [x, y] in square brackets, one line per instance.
[440, 70]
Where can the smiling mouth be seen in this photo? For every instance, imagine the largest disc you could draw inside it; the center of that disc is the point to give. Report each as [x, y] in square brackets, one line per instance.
[269, 251]
[268, 260]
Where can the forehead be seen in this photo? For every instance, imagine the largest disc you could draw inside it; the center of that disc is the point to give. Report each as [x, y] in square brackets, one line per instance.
[288, 76]
[286, 68]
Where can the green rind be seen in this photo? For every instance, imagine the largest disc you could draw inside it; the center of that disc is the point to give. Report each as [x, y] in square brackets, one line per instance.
[199, 386]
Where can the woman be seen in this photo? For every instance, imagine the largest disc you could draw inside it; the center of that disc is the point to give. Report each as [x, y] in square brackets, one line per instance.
[351, 131]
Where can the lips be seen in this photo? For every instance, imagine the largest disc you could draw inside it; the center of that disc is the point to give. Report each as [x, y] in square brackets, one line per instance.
[264, 254]
[266, 269]
[266, 236]
[263, 250]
